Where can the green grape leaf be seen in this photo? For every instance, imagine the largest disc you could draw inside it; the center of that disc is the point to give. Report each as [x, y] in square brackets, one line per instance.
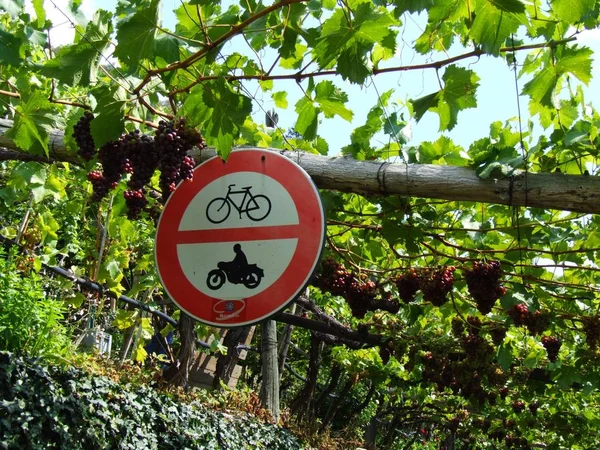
[565, 376]
[353, 64]
[12, 7]
[331, 99]
[442, 150]
[511, 6]
[541, 87]
[224, 22]
[77, 64]
[218, 109]
[421, 105]
[167, 48]
[577, 61]
[11, 52]
[40, 12]
[280, 99]
[370, 25]
[571, 11]
[34, 119]
[295, 59]
[492, 25]
[308, 118]
[109, 120]
[139, 354]
[322, 146]
[393, 127]
[411, 6]
[188, 19]
[504, 356]
[458, 94]
[136, 34]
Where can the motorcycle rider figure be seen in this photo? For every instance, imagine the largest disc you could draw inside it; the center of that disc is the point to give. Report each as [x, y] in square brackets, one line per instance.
[239, 265]
[236, 272]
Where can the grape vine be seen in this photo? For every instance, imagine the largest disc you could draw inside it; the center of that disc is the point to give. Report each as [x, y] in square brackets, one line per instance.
[139, 156]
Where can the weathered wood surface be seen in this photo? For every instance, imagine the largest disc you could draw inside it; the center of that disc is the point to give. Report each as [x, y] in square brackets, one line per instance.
[577, 193]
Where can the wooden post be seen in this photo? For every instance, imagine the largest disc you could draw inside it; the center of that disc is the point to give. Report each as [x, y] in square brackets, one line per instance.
[269, 391]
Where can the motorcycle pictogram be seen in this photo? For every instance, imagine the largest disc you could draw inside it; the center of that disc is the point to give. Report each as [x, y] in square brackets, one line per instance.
[237, 271]
[256, 207]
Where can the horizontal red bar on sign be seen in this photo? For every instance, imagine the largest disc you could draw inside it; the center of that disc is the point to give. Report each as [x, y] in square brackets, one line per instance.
[239, 234]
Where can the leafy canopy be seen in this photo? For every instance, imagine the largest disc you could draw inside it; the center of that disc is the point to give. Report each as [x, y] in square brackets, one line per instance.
[220, 65]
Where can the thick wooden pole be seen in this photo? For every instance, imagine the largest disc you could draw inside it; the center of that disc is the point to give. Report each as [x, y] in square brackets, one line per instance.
[578, 193]
[269, 391]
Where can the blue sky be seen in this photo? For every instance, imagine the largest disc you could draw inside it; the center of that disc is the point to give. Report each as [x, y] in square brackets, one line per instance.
[496, 96]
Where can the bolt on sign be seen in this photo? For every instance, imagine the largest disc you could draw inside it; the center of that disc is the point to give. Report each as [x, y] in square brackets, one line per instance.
[240, 241]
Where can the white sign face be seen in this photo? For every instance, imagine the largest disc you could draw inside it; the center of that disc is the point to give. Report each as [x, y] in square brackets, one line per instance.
[243, 240]
[231, 211]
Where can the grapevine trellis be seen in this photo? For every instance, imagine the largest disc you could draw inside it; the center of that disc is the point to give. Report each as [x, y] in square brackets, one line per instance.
[368, 290]
[458, 296]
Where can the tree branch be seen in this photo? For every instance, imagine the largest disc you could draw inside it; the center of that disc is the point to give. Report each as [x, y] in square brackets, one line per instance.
[301, 75]
[237, 29]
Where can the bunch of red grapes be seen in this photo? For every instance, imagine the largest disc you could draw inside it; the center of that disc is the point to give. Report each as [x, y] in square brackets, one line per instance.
[591, 328]
[436, 284]
[173, 141]
[483, 282]
[83, 137]
[552, 345]
[360, 292]
[536, 322]
[140, 156]
[407, 285]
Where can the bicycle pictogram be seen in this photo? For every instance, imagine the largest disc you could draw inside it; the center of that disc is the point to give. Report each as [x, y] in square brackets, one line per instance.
[256, 207]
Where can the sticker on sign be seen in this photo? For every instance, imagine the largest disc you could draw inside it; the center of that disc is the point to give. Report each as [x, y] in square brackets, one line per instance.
[242, 240]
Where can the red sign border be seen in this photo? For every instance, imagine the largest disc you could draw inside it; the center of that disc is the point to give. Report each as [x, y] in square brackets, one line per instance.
[191, 189]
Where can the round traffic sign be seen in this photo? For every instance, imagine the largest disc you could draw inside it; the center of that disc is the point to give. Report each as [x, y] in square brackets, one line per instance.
[241, 240]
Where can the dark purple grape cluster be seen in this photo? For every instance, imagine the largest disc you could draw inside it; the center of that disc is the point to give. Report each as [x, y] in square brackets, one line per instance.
[518, 406]
[536, 322]
[476, 347]
[385, 352]
[498, 334]
[83, 137]
[591, 328]
[173, 141]
[187, 168]
[360, 292]
[474, 324]
[113, 156]
[483, 282]
[513, 441]
[140, 155]
[519, 313]
[99, 185]
[436, 284]
[458, 326]
[360, 296]
[142, 158]
[407, 285]
[332, 277]
[386, 303]
[533, 407]
[136, 201]
[552, 345]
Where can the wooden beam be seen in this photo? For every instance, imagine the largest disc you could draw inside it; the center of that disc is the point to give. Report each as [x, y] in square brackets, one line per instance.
[578, 193]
